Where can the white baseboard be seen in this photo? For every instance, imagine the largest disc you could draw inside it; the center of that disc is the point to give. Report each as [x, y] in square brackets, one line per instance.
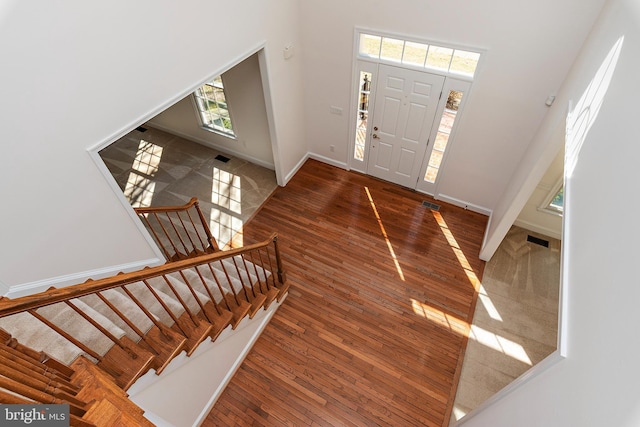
[327, 160]
[209, 144]
[538, 229]
[296, 168]
[24, 289]
[463, 204]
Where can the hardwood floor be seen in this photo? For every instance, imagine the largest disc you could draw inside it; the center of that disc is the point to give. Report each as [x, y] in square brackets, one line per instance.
[374, 328]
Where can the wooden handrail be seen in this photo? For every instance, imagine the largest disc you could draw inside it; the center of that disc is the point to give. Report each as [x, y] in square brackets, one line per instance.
[188, 205]
[174, 243]
[52, 296]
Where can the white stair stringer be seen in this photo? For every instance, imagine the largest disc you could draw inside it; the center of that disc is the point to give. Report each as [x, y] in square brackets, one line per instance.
[189, 387]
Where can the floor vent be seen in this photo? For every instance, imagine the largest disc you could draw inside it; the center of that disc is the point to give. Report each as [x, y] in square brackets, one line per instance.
[222, 158]
[141, 129]
[430, 205]
[538, 241]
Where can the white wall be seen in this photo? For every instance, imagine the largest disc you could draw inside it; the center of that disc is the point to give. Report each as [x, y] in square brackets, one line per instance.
[597, 384]
[530, 46]
[76, 74]
[245, 97]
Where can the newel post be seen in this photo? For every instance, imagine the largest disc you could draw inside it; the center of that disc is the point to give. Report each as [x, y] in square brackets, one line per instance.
[280, 269]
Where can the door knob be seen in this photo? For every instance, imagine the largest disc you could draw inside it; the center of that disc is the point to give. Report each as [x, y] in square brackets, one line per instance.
[375, 136]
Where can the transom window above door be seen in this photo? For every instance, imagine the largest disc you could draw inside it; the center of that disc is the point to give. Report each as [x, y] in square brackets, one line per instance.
[429, 56]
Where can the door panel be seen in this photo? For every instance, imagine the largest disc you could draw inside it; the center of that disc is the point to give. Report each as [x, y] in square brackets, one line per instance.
[405, 106]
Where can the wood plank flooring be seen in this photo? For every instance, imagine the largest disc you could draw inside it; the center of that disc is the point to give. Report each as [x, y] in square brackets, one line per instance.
[374, 328]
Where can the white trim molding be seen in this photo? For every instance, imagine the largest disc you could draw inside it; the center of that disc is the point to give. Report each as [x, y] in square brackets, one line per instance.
[30, 288]
[463, 204]
[327, 160]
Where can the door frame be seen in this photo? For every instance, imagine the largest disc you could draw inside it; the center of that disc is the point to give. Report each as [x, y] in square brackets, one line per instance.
[370, 65]
[434, 98]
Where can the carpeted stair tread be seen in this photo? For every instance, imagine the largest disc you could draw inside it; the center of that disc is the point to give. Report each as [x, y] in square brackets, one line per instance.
[31, 332]
[195, 280]
[149, 301]
[126, 306]
[78, 327]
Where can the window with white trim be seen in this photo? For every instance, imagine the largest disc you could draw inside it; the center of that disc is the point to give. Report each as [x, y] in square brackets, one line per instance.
[554, 202]
[211, 102]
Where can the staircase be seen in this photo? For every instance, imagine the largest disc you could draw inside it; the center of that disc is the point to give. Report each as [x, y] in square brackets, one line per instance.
[86, 345]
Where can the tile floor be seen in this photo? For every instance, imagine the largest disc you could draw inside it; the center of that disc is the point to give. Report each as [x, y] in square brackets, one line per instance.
[155, 168]
[515, 323]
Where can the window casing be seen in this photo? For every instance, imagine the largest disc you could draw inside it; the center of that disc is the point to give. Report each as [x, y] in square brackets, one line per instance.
[554, 202]
[428, 56]
[459, 66]
[213, 110]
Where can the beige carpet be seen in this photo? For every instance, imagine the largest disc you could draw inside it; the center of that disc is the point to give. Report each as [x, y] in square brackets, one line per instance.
[515, 323]
[155, 168]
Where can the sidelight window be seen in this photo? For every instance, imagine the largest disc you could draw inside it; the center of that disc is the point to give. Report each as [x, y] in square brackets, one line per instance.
[444, 133]
[363, 114]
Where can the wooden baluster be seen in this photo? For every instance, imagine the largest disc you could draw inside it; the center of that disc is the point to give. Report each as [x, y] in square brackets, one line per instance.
[195, 295]
[280, 271]
[271, 292]
[283, 287]
[125, 319]
[258, 300]
[144, 216]
[209, 293]
[205, 225]
[12, 399]
[195, 250]
[224, 269]
[31, 381]
[250, 286]
[220, 288]
[29, 370]
[192, 316]
[40, 396]
[164, 305]
[168, 343]
[137, 302]
[66, 336]
[241, 308]
[186, 251]
[203, 245]
[99, 327]
[36, 360]
[131, 360]
[175, 249]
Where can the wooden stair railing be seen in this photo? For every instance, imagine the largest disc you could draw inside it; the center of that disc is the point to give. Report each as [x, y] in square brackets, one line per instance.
[130, 323]
[180, 231]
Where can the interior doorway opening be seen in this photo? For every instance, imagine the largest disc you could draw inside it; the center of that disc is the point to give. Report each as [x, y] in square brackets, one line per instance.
[170, 157]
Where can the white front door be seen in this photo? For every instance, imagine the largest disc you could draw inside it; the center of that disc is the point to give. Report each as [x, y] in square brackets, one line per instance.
[403, 113]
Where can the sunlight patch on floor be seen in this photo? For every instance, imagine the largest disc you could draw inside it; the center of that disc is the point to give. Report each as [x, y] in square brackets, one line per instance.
[140, 187]
[482, 336]
[225, 222]
[439, 317]
[453, 243]
[500, 344]
[484, 298]
[384, 234]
